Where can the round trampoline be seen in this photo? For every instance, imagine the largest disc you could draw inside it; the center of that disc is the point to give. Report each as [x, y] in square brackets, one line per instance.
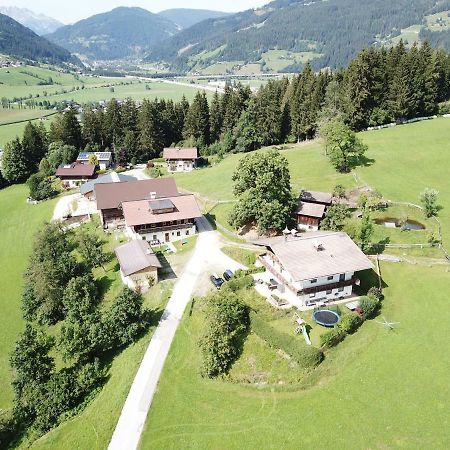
[326, 318]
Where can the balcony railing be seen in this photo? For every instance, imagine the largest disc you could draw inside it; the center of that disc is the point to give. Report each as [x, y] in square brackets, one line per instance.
[181, 226]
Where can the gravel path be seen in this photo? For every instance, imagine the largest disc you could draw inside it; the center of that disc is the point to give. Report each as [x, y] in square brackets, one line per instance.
[207, 254]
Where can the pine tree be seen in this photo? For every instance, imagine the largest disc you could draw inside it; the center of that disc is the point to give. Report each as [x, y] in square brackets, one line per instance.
[216, 118]
[196, 125]
[34, 145]
[15, 164]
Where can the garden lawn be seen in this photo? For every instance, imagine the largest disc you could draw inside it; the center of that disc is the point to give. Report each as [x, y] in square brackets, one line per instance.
[19, 222]
[378, 389]
[408, 159]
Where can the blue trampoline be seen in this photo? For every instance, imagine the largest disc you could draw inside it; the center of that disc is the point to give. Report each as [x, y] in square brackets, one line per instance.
[326, 317]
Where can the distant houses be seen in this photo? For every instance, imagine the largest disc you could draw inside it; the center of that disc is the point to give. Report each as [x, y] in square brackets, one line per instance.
[311, 209]
[75, 174]
[181, 159]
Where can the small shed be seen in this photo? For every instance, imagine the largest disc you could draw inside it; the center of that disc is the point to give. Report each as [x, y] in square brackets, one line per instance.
[138, 264]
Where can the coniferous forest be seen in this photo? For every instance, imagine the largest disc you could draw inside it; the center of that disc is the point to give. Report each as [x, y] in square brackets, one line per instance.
[378, 87]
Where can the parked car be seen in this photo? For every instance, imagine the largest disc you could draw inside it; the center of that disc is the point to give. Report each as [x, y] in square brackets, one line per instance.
[216, 281]
[228, 275]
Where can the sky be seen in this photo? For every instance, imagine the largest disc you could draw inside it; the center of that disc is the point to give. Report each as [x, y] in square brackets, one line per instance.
[71, 11]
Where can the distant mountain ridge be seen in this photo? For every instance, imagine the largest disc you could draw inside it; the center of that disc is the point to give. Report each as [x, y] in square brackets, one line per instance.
[117, 34]
[335, 30]
[20, 42]
[185, 17]
[39, 23]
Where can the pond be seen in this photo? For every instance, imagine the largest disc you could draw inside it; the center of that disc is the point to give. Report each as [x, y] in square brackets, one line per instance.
[391, 222]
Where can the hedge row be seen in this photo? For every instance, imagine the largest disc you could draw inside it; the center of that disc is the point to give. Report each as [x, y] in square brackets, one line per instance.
[305, 355]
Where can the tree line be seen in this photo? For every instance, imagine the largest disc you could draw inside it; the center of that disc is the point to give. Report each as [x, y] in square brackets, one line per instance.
[60, 289]
[379, 86]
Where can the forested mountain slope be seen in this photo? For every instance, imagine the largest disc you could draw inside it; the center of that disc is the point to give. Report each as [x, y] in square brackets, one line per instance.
[335, 29]
[185, 17]
[20, 42]
[120, 33]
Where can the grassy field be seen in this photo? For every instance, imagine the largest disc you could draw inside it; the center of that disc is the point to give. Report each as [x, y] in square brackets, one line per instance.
[10, 132]
[308, 165]
[380, 389]
[408, 159]
[18, 222]
[277, 60]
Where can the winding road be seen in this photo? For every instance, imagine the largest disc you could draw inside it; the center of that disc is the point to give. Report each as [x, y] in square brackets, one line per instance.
[206, 255]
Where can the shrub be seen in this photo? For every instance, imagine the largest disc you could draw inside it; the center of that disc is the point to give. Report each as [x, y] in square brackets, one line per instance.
[306, 356]
[333, 337]
[41, 187]
[350, 323]
[238, 283]
[375, 292]
[221, 341]
[369, 306]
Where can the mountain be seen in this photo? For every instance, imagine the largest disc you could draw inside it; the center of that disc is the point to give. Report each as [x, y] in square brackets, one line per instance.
[185, 17]
[20, 42]
[39, 23]
[117, 34]
[329, 32]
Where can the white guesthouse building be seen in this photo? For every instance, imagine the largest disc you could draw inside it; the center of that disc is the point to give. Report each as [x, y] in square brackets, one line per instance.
[316, 267]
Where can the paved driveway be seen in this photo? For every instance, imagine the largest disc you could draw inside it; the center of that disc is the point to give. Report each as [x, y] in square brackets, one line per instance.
[207, 254]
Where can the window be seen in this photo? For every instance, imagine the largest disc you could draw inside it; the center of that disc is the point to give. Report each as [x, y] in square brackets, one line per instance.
[187, 233]
[314, 281]
[341, 289]
[330, 278]
[312, 295]
[155, 237]
[329, 291]
[178, 233]
[342, 277]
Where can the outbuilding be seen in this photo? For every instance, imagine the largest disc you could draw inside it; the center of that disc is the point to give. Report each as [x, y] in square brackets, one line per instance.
[138, 264]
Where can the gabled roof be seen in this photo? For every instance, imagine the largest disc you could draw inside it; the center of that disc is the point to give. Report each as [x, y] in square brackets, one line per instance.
[112, 195]
[317, 254]
[112, 177]
[311, 210]
[135, 256]
[180, 153]
[140, 213]
[101, 156]
[316, 197]
[76, 170]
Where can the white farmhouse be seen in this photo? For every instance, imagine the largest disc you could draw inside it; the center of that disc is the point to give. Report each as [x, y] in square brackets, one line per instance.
[316, 267]
[181, 159]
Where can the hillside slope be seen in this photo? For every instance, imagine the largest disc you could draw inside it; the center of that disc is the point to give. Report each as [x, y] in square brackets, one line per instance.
[120, 33]
[39, 23]
[335, 30]
[186, 18]
[20, 42]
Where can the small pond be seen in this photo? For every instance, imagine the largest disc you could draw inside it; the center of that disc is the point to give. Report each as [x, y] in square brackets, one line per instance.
[391, 222]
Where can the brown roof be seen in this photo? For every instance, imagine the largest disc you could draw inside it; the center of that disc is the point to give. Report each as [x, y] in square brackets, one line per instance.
[316, 197]
[140, 213]
[136, 256]
[317, 254]
[76, 170]
[311, 210]
[181, 153]
[112, 195]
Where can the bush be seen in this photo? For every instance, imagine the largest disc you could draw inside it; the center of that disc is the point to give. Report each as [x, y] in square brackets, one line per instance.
[226, 327]
[333, 337]
[41, 187]
[150, 165]
[369, 306]
[350, 323]
[375, 292]
[239, 282]
[306, 356]
[8, 428]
